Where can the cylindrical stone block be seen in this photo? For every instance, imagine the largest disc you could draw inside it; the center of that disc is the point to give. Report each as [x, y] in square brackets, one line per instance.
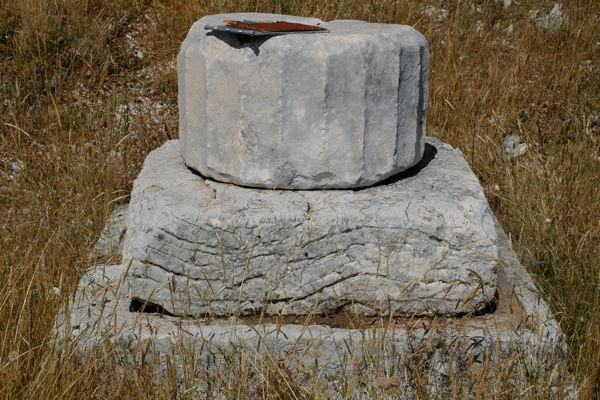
[342, 108]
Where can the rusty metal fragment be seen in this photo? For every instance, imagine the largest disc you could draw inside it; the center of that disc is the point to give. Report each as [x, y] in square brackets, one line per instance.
[278, 26]
[264, 28]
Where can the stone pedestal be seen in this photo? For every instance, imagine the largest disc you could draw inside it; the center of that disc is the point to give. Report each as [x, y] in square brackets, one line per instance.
[343, 108]
[422, 243]
[261, 271]
[516, 334]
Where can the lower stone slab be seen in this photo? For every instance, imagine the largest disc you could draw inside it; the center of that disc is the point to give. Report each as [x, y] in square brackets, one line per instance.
[519, 342]
[420, 243]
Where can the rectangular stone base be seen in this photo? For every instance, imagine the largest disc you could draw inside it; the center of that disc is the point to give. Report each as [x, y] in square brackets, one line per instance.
[519, 342]
[420, 243]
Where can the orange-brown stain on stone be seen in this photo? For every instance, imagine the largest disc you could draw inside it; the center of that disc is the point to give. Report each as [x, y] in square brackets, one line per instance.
[278, 26]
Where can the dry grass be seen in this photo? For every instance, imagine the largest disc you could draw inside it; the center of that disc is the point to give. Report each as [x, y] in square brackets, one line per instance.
[88, 88]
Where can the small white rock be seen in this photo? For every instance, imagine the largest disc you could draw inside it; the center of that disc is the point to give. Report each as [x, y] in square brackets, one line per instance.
[556, 18]
[512, 146]
[479, 25]
[16, 166]
[13, 355]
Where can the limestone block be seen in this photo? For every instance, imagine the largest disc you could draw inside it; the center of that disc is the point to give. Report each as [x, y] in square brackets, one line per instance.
[420, 243]
[340, 109]
[111, 238]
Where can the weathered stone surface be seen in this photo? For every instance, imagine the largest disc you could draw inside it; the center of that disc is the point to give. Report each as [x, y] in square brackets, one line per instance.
[340, 109]
[111, 237]
[520, 333]
[421, 243]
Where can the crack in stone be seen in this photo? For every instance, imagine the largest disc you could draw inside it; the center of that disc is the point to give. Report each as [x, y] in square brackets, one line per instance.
[317, 290]
[181, 274]
[244, 281]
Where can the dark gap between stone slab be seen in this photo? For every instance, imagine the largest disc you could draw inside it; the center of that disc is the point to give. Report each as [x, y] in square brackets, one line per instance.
[344, 319]
[340, 319]
[505, 311]
[143, 306]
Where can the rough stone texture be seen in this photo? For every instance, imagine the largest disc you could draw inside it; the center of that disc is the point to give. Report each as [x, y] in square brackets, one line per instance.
[111, 237]
[520, 342]
[340, 109]
[420, 243]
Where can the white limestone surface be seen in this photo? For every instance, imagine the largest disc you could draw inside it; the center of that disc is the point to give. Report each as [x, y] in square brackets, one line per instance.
[422, 243]
[520, 335]
[344, 108]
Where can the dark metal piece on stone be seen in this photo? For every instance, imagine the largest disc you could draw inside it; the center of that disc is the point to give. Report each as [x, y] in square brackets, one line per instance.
[264, 28]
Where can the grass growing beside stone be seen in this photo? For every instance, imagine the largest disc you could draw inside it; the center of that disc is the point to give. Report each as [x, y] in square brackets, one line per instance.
[88, 88]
